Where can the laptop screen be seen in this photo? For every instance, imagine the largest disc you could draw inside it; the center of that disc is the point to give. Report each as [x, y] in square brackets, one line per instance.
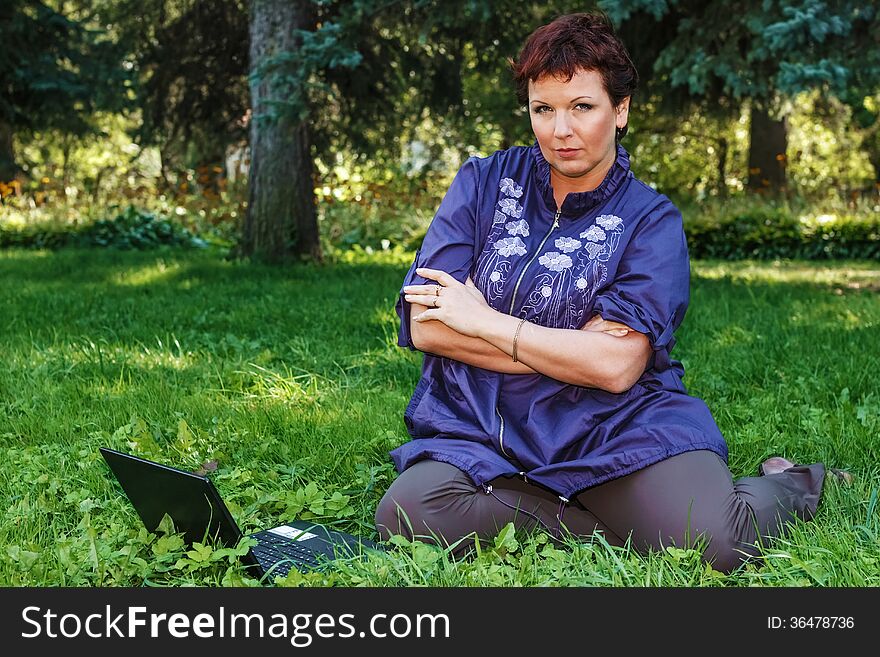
[191, 501]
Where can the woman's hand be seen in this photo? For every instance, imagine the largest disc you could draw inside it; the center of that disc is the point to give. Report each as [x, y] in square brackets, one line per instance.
[460, 306]
[600, 325]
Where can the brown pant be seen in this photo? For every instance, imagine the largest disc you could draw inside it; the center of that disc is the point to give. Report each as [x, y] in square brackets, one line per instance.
[678, 501]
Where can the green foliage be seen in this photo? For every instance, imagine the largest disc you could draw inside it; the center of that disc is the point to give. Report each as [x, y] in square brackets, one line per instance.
[768, 232]
[349, 225]
[97, 547]
[389, 67]
[56, 69]
[416, 87]
[378, 208]
[91, 169]
[292, 75]
[730, 228]
[828, 155]
[190, 57]
[685, 156]
[76, 181]
[130, 229]
[135, 229]
[757, 50]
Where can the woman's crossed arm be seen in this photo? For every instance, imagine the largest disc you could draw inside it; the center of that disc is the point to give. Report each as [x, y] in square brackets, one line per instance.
[462, 326]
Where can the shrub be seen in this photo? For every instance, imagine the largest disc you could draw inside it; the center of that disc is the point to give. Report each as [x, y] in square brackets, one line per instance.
[766, 232]
[130, 229]
[734, 230]
[348, 225]
[136, 229]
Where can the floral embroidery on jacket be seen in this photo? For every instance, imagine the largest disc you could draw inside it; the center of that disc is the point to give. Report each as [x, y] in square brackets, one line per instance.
[510, 188]
[567, 244]
[493, 265]
[511, 207]
[561, 284]
[520, 227]
[565, 288]
[593, 249]
[510, 246]
[555, 261]
[609, 221]
[594, 234]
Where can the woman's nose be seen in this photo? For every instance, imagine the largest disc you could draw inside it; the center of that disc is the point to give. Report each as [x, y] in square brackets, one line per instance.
[562, 126]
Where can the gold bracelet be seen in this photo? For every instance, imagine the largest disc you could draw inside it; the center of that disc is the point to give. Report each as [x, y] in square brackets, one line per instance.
[516, 337]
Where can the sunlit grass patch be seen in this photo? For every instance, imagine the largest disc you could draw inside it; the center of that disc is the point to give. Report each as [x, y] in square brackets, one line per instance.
[831, 273]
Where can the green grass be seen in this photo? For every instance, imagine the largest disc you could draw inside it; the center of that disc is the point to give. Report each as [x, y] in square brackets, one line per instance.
[291, 381]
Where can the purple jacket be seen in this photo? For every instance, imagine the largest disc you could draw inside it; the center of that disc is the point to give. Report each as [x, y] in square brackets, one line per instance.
[618, 251]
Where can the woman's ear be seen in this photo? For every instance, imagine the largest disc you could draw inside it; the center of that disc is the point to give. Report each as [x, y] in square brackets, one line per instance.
[623, 113]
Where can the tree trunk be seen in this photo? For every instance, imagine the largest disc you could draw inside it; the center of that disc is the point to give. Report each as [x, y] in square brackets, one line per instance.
[66, 147]
[874, 159]
[722, 167]
[767, 152]
[165, 185]
[281, 221]
[8, 169]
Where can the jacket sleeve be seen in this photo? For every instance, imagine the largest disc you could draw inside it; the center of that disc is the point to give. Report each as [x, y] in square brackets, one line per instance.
[651, 290]
[450, 242]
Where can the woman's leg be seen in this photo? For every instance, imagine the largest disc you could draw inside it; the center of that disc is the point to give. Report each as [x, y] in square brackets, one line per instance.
[691, 495]
[433, 501]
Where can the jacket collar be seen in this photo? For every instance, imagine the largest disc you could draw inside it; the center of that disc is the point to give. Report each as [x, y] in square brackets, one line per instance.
[577, 203]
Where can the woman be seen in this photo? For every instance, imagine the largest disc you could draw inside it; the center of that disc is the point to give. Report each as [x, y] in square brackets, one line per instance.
[545, 296]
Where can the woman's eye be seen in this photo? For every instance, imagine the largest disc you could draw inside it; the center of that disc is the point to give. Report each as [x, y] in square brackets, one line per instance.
[541, 109]
[584, 107]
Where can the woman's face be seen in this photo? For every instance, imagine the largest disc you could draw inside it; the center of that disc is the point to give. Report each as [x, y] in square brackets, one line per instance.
[575, 125]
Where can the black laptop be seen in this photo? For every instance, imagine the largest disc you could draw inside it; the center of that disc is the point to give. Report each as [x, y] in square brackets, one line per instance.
[199, 513]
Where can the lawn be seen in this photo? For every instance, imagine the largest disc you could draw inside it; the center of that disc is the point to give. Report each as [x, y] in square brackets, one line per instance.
[290, 382]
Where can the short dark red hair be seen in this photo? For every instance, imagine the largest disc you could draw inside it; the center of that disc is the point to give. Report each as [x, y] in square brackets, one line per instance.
[571, 43]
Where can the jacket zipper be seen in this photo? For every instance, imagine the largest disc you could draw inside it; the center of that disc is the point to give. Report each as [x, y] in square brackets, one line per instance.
[501, 433]
[532, 259]
[512, 302]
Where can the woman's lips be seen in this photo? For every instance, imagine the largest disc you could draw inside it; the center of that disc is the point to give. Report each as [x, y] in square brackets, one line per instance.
[567, 152]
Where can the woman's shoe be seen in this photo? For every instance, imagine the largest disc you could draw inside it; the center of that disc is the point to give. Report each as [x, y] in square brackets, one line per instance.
[777, 464]
[774, 465]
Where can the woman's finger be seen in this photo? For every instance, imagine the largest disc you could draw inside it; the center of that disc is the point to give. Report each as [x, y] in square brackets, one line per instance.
[600, 325]
[425, 316]
[429, 300]
[437, 275]
[421, 289]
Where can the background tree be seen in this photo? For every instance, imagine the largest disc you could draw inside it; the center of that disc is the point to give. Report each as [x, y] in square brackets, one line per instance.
[190, 60]
[719, 54]
[358, 77]
[443, 61]
[57, 68]
[362, 82]
[194, 92]
[281, 220]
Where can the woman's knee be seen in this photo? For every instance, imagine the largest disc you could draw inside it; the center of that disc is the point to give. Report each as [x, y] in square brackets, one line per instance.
[725, 534]
[685, 501]
[387, 518]
[425, 502]
[725, 552]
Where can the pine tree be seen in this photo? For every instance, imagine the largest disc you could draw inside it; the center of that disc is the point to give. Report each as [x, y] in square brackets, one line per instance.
[56, 70]
[721, 53]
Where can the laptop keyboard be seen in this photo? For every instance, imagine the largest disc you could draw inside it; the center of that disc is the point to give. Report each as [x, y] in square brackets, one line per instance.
[283, 552]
